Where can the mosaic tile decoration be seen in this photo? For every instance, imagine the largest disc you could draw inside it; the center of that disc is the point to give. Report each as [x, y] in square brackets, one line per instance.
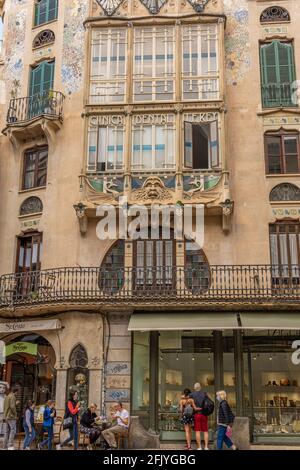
[109, 6]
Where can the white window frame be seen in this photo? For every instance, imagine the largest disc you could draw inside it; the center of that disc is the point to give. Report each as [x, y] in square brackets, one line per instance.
[140, 166]
[108, 87]
[205, 85]
[94, 155]
[141, 34]
[213, 153]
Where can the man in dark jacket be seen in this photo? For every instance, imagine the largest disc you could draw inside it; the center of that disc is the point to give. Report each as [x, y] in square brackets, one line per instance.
[10, 419]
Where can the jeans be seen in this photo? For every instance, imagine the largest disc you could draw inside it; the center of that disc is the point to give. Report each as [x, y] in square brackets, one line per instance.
[221, 437]
[10, 432]
[110, 434]
[48, 439]
[29, 437]
[73, 431]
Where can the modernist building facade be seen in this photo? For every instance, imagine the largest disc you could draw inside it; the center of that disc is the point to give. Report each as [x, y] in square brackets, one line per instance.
[174, 103]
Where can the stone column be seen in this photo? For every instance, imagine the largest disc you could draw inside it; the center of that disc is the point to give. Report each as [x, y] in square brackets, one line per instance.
[95, 386]
[61, 389]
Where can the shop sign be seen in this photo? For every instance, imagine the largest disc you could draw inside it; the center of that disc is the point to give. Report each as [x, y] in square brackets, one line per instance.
[39, 325]
[21, 347]
[117, 395]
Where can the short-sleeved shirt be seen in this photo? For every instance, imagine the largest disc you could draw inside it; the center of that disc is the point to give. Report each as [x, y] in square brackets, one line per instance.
[123, 414]
[198, 398]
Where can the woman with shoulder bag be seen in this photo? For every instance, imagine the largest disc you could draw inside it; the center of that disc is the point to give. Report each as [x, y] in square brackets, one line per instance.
[71, 421]
[187, 408]
[225, 422]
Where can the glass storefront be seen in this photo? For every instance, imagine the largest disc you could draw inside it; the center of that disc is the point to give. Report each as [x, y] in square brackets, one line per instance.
[259, 377]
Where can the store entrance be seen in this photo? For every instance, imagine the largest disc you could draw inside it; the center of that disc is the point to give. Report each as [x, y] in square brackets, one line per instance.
[29, 367]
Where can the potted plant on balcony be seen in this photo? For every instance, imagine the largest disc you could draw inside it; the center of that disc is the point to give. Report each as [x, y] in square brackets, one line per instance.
[50, 102]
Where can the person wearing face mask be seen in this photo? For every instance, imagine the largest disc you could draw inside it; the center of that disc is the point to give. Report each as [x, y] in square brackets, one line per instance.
[225, 422]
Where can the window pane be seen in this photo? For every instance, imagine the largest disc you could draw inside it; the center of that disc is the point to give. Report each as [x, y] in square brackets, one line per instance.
[291, 163]
[147, 147]
[290, 145]
[41, 178]
[274, 165]
[102, 147]
[160, 147]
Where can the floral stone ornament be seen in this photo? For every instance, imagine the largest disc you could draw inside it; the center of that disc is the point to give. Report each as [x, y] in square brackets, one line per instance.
[109, 6]
[154, 6]
[198, 5]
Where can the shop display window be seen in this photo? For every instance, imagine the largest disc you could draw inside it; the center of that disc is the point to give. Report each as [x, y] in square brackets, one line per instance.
[141, 376]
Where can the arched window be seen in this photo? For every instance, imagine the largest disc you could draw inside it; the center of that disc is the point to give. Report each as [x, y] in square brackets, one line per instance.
[285, 192]
[111, 278]
[45, 11]
[42, 38]
[31, 205]
[197, 272]
[274, 14]
[78, 376]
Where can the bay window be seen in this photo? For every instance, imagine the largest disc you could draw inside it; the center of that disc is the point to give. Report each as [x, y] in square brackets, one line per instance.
[106, 146]
[108, 66]
[201, 146]
[153, 144]
[200, 75]
[154, 63]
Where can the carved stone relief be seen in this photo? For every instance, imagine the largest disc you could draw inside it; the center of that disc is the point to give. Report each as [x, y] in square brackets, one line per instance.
[31, 205]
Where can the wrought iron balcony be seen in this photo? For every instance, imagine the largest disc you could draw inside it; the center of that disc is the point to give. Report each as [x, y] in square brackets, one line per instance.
[26, 109]
[278, 94]
[213, 285]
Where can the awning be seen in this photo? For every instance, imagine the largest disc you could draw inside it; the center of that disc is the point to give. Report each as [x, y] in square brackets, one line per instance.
[270, 321]
[36, 325]
[170, 321]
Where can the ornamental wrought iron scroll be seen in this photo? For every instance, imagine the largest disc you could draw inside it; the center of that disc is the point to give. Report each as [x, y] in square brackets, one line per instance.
[31, 205]
[44, 37]
[198, 5]
[285, 192]
[78, 357]
[109, 6]
[153, 6]
[274, 14]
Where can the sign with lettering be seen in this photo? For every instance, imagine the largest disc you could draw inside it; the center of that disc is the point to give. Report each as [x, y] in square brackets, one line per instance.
[153, 119]
[118, 368]
[39, 325]
[29, 224]
[281, 120]
[22, 347]
[117, 395]
[109, 120]
[286, 212]
[200, 117]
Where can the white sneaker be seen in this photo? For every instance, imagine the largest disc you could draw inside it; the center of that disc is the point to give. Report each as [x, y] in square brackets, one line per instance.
[58, 447]
[11, 448]
[199, 448]
[206, 448]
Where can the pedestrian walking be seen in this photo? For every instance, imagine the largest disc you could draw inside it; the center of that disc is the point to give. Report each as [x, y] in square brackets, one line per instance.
[28, 425]
[10, 418]
[225, 422]
[48, 424]
[71, 414]
[200, 420]
[187, 409]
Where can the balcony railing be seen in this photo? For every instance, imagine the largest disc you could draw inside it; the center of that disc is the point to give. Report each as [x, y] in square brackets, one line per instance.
[217, 284]
[278, 94]
[48, 104]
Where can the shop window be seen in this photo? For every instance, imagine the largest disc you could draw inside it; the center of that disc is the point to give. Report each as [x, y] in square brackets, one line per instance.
[111, 278]
[154, 63]
[197, 272]
[153, 145]
[35, 168]
[275, 14]
[200, 68]
[277, 74]
[275, 385]
[78, 375]
[141, 376]
[282, 151]
[285, 250]
[108, 65]
[45, 11]
[201, 145]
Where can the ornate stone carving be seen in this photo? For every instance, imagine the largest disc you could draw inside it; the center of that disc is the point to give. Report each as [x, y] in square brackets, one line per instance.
[44, 37]
[274, 14]
[80, 210]
[285, 192]
[153, 6]
[31, 205]
[227, 207]
[109, 6]
[153, 189]
[198, 5]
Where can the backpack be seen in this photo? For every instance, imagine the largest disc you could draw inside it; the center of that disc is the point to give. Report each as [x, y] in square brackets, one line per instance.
[188, 411]
[208, 406]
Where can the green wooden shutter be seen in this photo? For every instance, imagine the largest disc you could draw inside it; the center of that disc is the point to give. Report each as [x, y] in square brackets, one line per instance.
[41, 79]
[45, 11]
[286, 63]
[52, 10]
[268, 64]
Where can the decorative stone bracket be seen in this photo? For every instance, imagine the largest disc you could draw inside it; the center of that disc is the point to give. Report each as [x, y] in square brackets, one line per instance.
[80, 210]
